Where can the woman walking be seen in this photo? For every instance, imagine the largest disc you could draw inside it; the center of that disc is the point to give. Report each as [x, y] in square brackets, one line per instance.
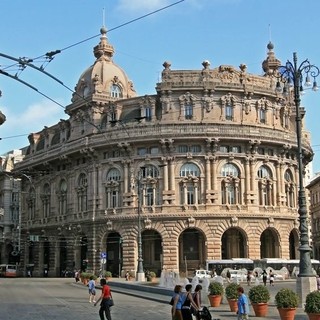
[92, 290]
[105, 298]
[197, 300]
[188, 303]
[177, 303]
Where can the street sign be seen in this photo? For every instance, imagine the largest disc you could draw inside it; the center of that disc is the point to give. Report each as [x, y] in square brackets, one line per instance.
[103, 261]
[103, 255]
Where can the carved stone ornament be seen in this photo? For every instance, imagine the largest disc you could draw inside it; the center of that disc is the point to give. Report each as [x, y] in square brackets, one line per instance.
[147, 223]
[271, 222]
[109, 225]
[191, 222]
[234, 221]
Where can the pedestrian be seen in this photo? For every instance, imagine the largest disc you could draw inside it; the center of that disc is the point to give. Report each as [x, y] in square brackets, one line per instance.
[197, 300]
[106, 298]
[318, 282]
[77, 276]
[264, 277]
[188, 303]
[176, 302]
[92, 290]
[127, 276]
[249, 278]
[228, 276]
[243, 305]
[271, 278]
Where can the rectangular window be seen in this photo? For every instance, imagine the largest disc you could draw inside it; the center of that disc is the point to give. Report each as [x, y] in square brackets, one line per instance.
[142, 151]
[195, 149]
[154, 150]
[262, 116]
[223, 149]
[148, 114]
[235, 149]
[188, 111]
[229, 115]
[183, 149]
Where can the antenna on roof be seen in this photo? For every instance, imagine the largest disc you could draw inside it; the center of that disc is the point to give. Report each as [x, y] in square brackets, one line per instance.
[269, 32]
[103, 17]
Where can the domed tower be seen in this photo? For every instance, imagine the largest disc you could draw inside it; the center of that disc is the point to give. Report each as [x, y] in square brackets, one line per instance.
[98, 89]
[104, 77]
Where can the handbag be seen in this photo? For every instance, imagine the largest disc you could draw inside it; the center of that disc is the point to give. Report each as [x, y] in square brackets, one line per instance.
[110, 302]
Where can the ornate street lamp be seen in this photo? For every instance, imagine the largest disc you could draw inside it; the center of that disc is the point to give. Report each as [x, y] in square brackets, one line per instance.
[140, 272]
[292, 75]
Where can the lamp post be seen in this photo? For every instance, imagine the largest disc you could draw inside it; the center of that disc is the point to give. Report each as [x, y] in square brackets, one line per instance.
[292, 75]
[140, 271]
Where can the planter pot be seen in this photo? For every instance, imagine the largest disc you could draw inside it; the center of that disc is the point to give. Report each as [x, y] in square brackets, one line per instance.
[215, 301]
[287, 313]
[233, 304]
[260, 309]
[313, 316]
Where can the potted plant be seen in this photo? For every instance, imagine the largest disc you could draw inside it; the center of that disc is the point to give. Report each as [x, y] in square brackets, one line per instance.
[231, 292]
[216, 291]
[259, 296]
[106, 274]
[312, 306]
[287, 302]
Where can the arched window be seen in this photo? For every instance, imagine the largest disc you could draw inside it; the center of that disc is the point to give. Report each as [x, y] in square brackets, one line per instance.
[230, 184]
[289, 189]
[113, 188]
[62, 196]
[265, 186]
[45, 198]
[82, 193]
[31, 202]
[190, 184]
[115, 91]
[149, 185]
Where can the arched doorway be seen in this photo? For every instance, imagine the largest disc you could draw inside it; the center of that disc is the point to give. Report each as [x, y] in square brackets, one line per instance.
[114, 254]
[294, 245]
[63, 256]
[233, 244]
[192, 251]
[269, 244]
[46, 257]
[83, 253]
[152, 251]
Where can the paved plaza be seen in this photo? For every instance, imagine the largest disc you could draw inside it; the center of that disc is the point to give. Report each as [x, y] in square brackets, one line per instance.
[155, 292]
[64, 299]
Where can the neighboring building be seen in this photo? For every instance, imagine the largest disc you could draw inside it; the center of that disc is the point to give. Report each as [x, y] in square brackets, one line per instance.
[208, 164]
[314, 194]
[10, 190]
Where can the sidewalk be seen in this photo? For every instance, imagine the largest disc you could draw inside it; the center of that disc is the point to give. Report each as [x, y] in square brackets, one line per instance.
[152, 291]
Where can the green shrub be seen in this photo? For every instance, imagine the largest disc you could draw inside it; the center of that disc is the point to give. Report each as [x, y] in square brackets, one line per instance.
[216, 288]
[312, 302]
[106, 274]
[232, 291]
[259, 294]
[286, 298]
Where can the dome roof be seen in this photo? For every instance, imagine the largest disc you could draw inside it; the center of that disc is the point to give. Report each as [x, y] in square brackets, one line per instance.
[104, 76]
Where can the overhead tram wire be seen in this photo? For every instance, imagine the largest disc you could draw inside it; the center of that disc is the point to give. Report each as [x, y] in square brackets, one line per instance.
[23, 62]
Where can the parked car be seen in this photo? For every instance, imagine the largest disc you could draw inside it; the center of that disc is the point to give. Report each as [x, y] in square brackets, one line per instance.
[202, 274]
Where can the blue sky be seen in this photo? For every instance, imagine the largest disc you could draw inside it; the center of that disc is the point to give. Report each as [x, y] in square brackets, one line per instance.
[227, 32]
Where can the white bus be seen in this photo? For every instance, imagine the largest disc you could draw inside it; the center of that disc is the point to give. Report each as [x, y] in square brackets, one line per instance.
[8, 270]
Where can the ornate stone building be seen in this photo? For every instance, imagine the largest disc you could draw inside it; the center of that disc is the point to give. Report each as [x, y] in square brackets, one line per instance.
[207, 164]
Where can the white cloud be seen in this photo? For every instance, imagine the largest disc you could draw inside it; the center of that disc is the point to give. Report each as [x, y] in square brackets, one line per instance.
[23, 122]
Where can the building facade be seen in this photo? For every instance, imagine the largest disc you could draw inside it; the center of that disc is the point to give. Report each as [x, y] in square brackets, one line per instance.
[207, 165]
[10, 197]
